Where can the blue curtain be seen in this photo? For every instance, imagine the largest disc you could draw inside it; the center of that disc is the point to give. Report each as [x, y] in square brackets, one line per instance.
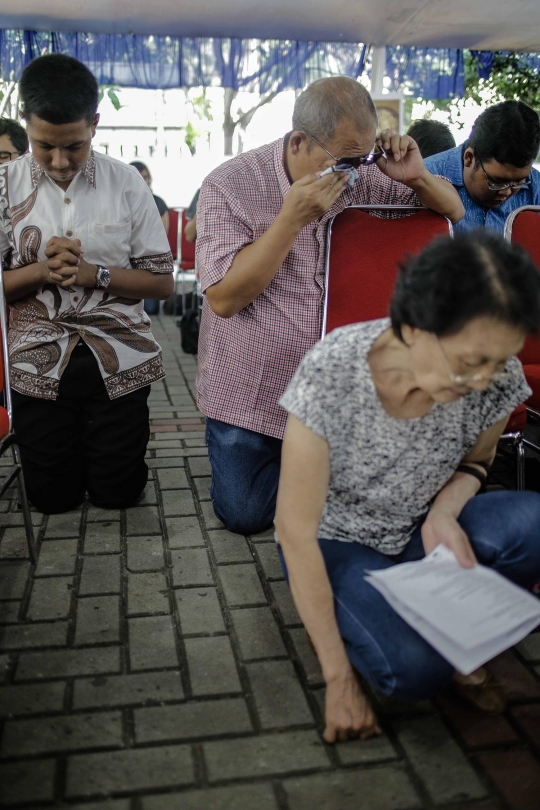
[242, 64]
[164, 62]
[426, 72]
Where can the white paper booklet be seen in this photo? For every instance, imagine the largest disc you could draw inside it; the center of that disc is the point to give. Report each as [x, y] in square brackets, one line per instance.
[469, 615]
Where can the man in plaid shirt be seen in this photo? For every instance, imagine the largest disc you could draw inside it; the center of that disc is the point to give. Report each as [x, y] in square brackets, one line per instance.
[262, 219]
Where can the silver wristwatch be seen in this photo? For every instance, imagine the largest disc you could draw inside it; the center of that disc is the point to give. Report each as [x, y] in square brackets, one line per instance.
[103, 277]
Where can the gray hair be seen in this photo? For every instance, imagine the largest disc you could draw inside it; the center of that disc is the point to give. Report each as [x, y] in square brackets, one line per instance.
[325, 102]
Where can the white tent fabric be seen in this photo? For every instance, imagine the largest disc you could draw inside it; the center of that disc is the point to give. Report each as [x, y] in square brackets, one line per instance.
[480, 24]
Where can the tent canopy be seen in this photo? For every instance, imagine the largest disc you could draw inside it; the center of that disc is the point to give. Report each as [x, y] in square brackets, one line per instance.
[483, 24]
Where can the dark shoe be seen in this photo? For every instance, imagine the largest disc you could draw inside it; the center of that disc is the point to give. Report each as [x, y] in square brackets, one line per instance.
[486, 697]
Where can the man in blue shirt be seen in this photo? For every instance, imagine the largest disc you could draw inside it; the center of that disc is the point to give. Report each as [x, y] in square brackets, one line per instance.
[493, 171]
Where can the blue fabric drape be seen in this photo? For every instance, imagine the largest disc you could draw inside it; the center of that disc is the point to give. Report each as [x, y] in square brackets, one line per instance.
[426, 72]
[241, 64]
[164, 62]
[484, 61]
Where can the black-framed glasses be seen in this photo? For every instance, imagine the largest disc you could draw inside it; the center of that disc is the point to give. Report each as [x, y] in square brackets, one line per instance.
[6, 156]
[355, 161]
[503, 186]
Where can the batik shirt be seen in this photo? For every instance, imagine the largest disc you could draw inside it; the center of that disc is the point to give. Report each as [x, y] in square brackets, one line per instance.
[109, 207]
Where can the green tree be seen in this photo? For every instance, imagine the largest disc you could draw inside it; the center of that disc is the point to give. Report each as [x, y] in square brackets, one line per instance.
[512, 78]
[111, 91]
[201, 109]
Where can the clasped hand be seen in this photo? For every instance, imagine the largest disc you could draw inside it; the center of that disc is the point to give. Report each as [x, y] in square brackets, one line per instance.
[65, 265]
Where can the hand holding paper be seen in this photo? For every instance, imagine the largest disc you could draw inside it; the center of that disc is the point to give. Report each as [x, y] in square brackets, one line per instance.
[469, 615]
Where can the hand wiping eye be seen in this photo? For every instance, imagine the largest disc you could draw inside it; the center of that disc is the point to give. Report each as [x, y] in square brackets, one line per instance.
[345, 168]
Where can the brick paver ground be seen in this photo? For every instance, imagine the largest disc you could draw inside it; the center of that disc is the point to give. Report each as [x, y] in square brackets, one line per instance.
[154, 661]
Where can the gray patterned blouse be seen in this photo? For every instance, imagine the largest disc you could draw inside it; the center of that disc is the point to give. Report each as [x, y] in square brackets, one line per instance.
[385, 471]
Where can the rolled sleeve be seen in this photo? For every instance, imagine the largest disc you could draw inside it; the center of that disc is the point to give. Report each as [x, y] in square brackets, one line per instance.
[222, 232]
[149, 244]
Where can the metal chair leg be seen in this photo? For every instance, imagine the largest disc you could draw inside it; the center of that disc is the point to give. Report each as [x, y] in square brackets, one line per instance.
[520, 461]
[27, 515]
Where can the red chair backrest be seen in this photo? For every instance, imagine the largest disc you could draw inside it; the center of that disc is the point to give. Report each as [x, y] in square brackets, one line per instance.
[364, 254]
[172, 235]
[526, 233]
[187, 249]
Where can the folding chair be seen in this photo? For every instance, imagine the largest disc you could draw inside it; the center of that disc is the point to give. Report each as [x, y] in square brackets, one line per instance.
[185, 267]
[172, 235]
[7, 436]
[522, 228]
[363, 254]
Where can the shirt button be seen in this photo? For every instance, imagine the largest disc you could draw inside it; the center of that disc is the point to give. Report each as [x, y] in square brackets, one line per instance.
[69, 233]
[75, 297]
[82, 330]
[67, 200]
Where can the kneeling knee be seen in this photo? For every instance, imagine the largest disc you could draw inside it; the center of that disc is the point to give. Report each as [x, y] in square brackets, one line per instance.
[417, 677]
[56, 505]
[242, 521]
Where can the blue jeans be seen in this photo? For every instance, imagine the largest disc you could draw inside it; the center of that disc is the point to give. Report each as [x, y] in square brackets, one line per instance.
[504, 530]
[245, 475]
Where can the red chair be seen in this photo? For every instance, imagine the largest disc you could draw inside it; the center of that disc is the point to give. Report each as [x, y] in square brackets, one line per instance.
[185, 267]
[187, 249]
[363, 255]
[7, 436]
[172, 234]
[522, 227]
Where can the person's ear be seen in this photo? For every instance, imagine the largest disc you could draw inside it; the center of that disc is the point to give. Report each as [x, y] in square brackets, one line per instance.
[469, 158]
[296, 140]
[409, 334]
[95, 123]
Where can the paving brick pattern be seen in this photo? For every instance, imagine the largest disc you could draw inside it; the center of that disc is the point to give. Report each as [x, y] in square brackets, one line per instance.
[155, 661]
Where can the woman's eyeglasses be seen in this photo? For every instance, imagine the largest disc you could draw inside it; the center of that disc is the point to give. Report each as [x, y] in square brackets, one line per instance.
[355, 161]
[503, 186]
[465, 379]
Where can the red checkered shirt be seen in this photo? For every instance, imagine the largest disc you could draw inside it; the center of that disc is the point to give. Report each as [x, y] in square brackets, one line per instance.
[246, 362]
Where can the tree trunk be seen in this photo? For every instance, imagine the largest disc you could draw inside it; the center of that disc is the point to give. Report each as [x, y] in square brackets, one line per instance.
[229, 125]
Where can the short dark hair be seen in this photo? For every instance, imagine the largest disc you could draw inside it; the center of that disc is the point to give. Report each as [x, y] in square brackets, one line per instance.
[508, 132]
[432, 137]
[16, 134]
[58, 89]
[475, 275]
[140, 166]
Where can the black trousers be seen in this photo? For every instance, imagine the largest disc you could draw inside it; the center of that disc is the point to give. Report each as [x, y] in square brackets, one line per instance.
[83, 441]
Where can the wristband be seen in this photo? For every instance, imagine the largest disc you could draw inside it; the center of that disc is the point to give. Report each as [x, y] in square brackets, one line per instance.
[466, 468]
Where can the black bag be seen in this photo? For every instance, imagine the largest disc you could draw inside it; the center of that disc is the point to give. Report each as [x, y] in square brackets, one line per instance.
[189, 331]
[173, 304]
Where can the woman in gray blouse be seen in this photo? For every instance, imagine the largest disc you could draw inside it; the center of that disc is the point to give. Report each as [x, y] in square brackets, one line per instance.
[392, 427]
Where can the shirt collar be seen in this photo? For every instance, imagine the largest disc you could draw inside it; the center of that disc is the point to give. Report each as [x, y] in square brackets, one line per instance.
[453, 169]
[89, 170]
[279, 156]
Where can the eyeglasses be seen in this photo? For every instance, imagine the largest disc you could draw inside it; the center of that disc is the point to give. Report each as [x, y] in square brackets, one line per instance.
[459, 379]
[503, 186]
[355, 161]
[6, 156]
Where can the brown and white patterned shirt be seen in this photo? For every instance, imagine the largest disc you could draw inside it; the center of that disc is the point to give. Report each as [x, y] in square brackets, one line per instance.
[246, 362]
[109, 207]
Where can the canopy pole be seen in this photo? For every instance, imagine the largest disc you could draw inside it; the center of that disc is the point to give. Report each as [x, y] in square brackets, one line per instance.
[378, 70]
